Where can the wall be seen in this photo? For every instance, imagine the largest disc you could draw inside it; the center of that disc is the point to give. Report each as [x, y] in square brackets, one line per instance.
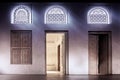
[51, 58]
[78, 37]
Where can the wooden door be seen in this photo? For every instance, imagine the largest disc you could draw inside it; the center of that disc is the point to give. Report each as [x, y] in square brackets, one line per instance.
[100, 62]
[93, 52]
[21, 47]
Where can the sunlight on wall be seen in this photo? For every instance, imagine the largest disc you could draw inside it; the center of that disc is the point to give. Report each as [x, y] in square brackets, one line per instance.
[3, 64]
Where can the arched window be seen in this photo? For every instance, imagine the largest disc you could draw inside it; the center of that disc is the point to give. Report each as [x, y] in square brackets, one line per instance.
[98, 15]
[21, 15]
[55, 15]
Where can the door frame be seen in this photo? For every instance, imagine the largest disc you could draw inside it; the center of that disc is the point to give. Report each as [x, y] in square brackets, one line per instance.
[58, 51]
[66, 49]
[109, 49]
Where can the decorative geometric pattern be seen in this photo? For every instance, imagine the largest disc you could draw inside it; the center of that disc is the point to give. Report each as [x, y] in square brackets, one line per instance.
[98, 15]
[55, 15]
[21, 15]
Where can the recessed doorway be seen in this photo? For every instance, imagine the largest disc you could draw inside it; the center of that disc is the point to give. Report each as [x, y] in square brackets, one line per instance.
[56, 49]
[100, 58]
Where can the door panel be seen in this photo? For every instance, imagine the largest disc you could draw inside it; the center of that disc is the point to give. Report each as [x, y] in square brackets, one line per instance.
[63, 56]
[93, 51]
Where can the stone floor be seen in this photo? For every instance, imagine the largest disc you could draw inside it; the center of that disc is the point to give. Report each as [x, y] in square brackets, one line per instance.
[58, 77]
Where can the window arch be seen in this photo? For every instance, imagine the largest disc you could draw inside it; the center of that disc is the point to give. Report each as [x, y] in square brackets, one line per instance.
[98, 15]
[55, 15]
[21, 15]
